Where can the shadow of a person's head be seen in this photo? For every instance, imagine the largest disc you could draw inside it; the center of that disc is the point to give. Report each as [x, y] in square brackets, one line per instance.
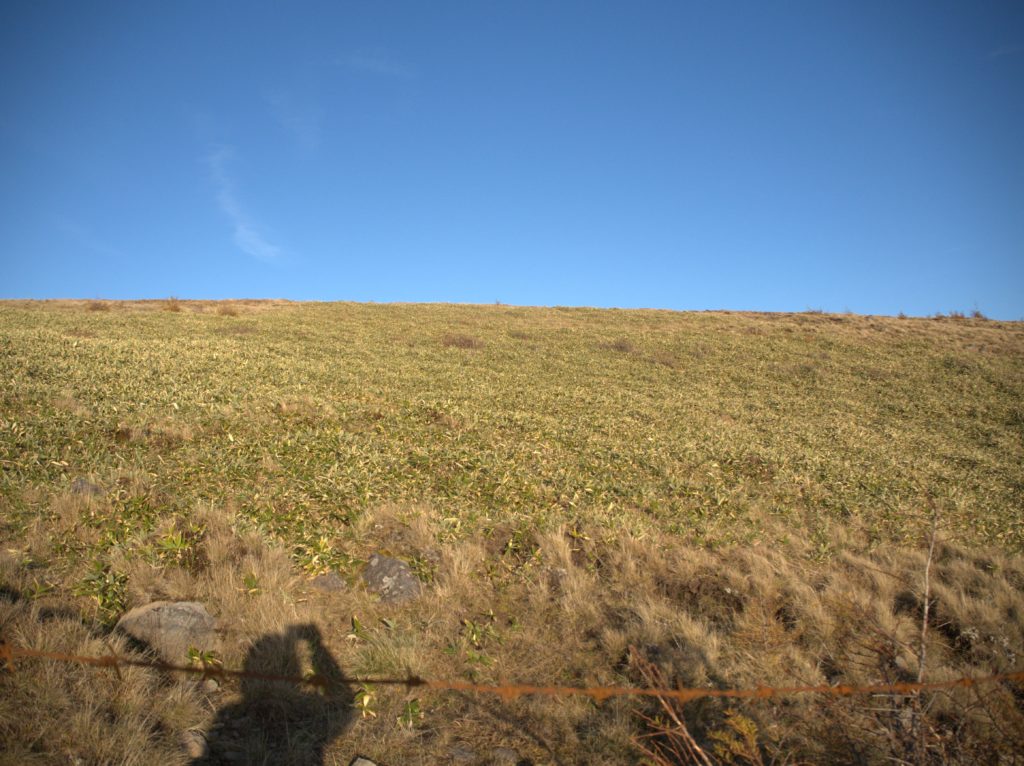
[278, 721]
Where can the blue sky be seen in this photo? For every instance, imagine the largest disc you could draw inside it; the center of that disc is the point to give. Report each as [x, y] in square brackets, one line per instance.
[863, 156]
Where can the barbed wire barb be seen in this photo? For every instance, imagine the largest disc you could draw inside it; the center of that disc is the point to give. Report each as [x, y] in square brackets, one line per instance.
[113, 660]
[7, 653]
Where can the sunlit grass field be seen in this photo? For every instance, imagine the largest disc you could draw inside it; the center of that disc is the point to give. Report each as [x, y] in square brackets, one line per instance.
[505, 426]
[721, 428]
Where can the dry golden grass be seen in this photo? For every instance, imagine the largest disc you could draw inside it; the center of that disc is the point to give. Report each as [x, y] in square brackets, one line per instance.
[561, 607]
[173, 304]
[51, 713]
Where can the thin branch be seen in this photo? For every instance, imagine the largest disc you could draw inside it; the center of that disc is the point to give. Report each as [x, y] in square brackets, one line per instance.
[919, 730]
[922, 651]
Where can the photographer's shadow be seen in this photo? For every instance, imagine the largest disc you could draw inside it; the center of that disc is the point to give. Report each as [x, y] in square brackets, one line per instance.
[277, 721]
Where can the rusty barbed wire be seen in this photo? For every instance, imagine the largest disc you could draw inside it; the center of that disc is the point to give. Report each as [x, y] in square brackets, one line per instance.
[509, 692]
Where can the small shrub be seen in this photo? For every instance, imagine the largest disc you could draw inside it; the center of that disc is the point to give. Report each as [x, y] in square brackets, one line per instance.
[976, 314]
[97, 306]
[107, 587]
[666, 358]
[901, 315]
[736, 741]
[227, 310]
[412, 714]
[173, 304]
[622, 345]
[461, 341]
[955, 365]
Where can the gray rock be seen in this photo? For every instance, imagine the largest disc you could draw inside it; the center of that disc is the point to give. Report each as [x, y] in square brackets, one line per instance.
[360, 761]
[331, 582]
[462, 754]
[210, 685]
[82, 486]
[171, 627]
[557, 577]
[391, 579]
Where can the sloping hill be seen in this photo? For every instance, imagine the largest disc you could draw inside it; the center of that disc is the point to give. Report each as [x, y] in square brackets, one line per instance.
[719, 489]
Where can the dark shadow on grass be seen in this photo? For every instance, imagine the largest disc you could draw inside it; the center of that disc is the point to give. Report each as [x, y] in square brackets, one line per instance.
[42, 613]
[511, 724]
[7, 593]
[280, 722]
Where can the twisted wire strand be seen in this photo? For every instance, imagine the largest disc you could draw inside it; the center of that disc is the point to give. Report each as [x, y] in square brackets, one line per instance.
[508, 692]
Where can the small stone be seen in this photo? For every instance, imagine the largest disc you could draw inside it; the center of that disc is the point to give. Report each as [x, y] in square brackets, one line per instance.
[360, 761]
[391, 579]
[462, 754]
[170, 628]
[210, 685]
[557, 577]
[82, 486]
[194, 744]
[505, 756]
[330, 582]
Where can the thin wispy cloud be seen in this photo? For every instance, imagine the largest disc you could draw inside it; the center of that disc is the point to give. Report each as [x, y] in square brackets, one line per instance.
[1006, 50]
[379, 62]
[300, 119]
[84, 238]
[245, 234]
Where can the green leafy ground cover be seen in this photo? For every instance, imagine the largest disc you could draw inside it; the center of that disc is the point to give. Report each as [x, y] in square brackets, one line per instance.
[722, 428]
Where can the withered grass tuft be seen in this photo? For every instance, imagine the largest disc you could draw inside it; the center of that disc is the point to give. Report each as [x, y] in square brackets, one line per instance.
[458, 340]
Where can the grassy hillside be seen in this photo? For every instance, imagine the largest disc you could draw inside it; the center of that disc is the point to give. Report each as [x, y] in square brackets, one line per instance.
[548, 473]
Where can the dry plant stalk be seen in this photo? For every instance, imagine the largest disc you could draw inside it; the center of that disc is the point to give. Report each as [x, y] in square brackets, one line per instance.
[922, 652]
[668, 742]
[918, 730]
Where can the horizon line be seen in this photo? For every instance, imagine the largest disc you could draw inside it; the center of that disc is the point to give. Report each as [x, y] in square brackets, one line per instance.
[952, 314]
